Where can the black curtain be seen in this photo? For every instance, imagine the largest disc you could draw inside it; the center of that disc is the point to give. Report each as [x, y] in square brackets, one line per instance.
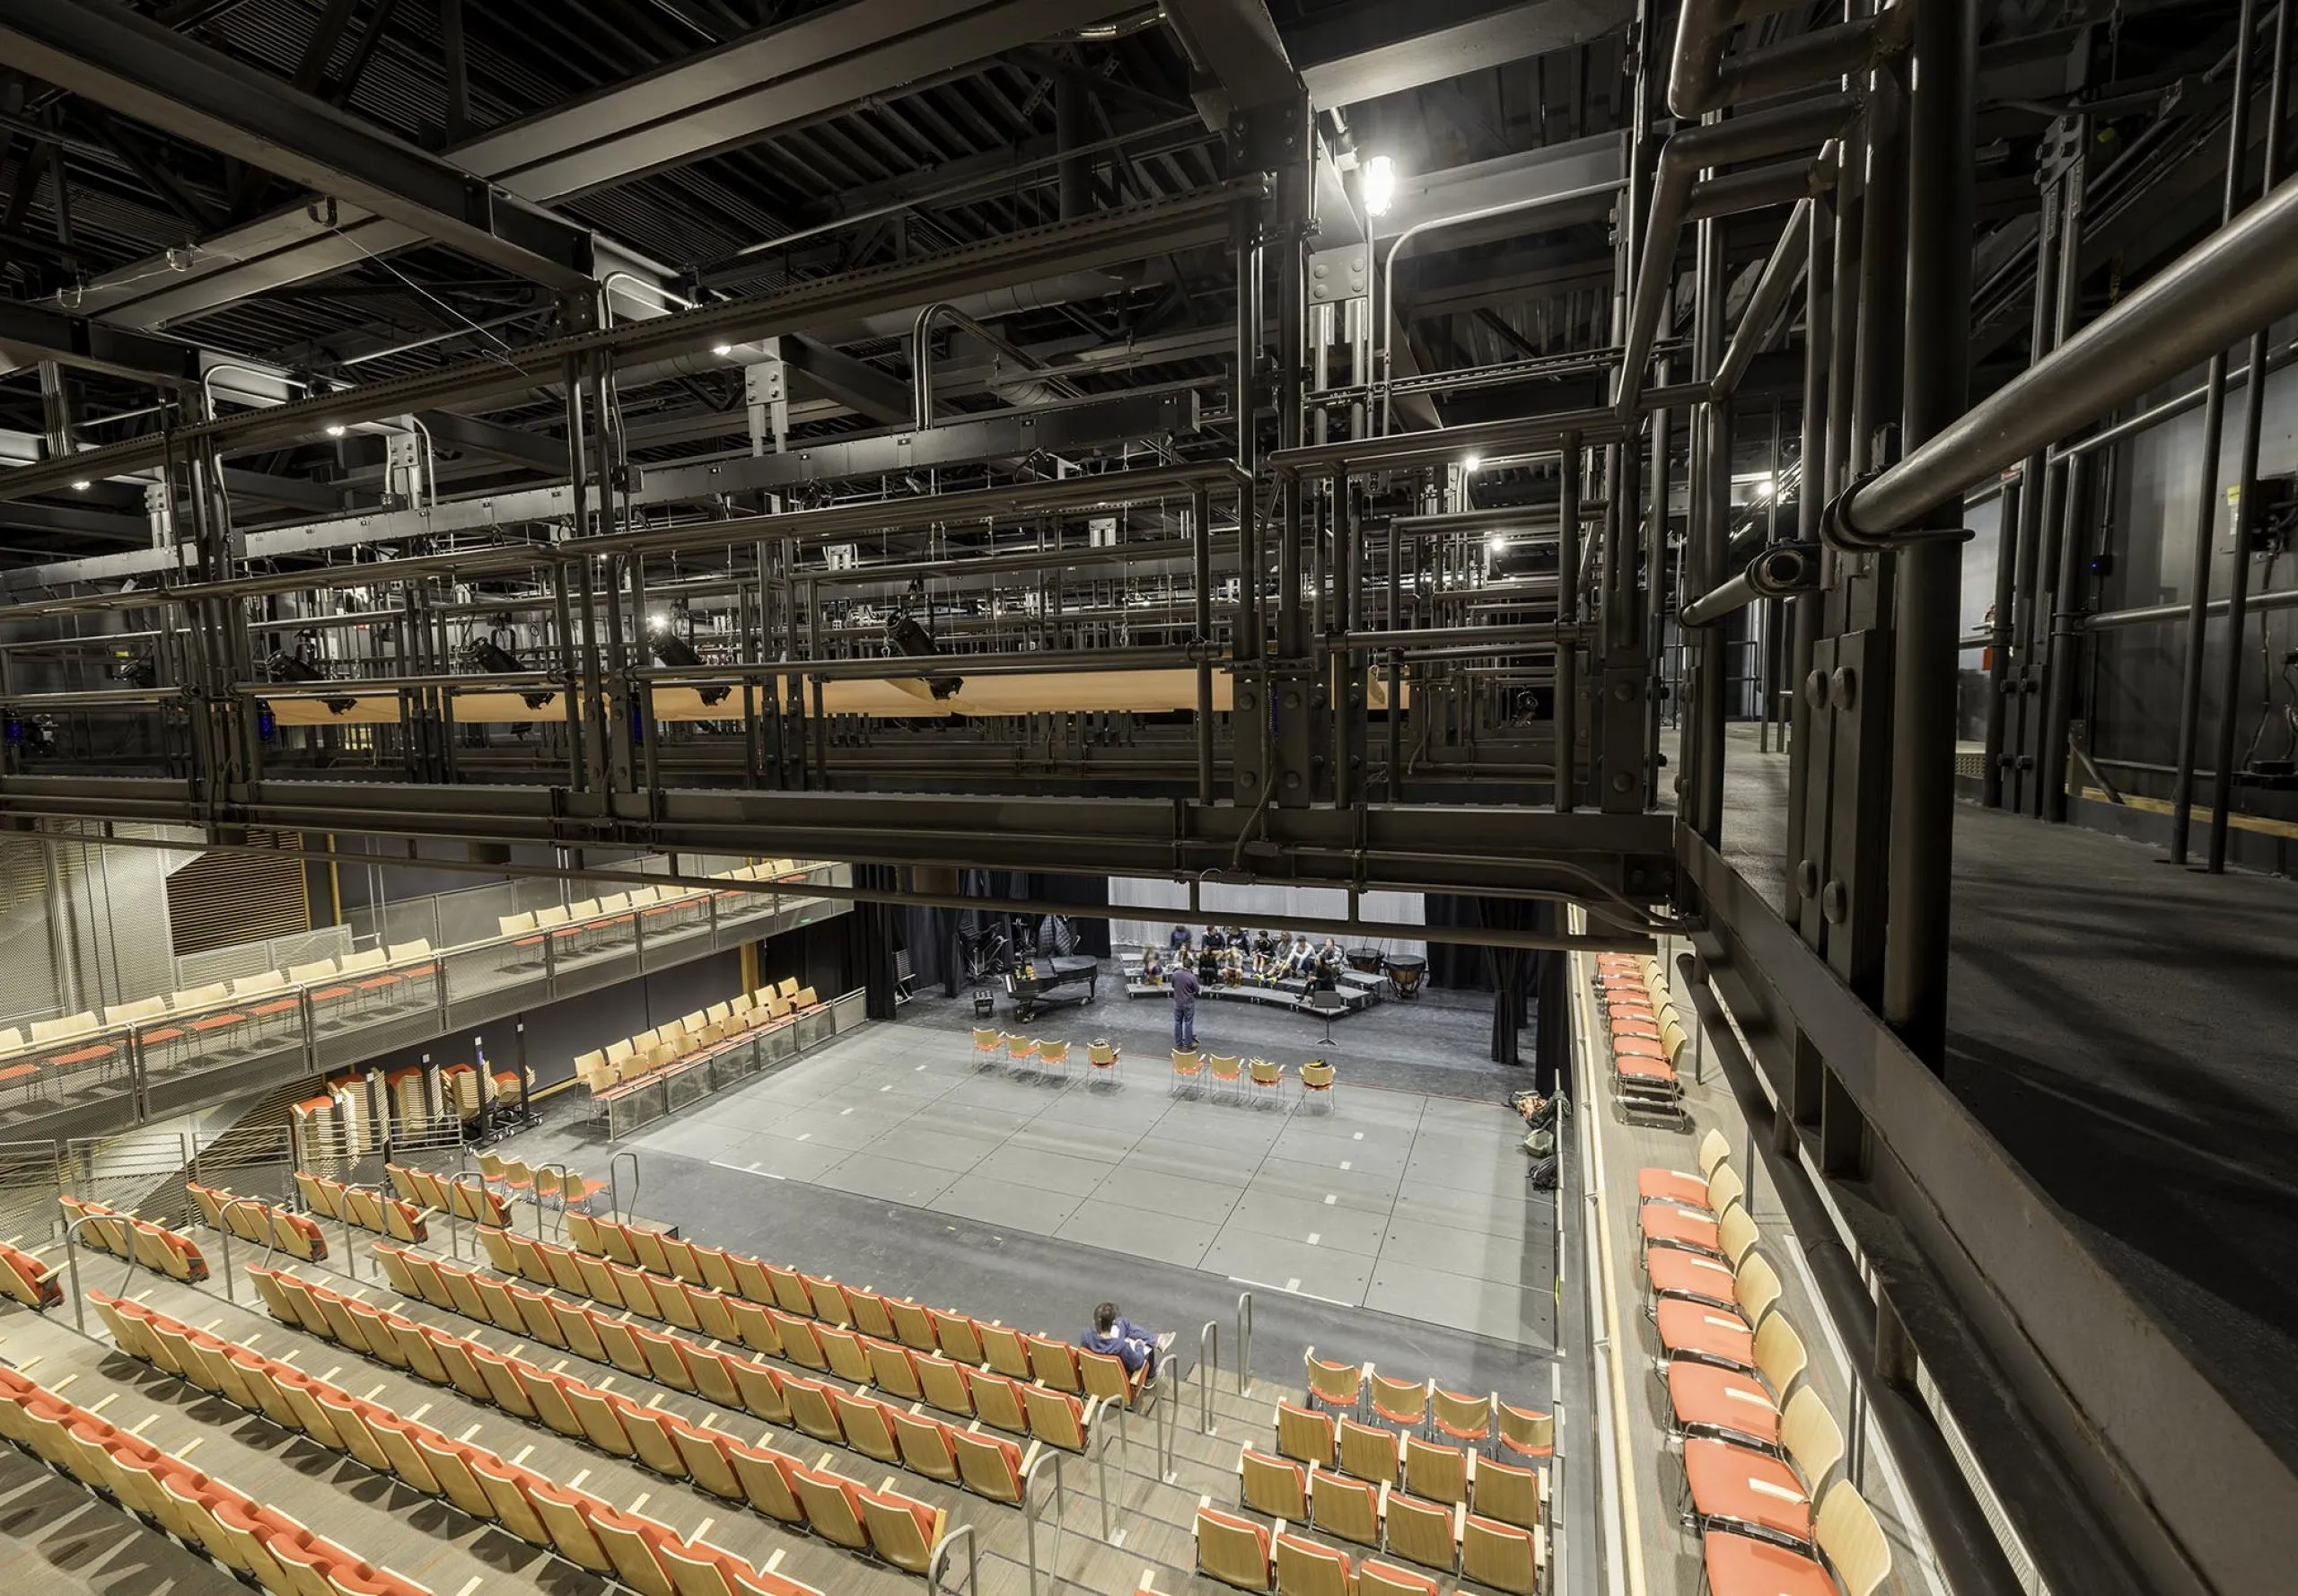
[1456, 966]
[870, 940]
[930, 935]
[1085, 892]
[1511, 975]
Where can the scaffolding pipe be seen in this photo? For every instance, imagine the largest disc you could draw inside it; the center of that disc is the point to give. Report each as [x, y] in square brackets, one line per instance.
[1804, 125]
[2234, 283]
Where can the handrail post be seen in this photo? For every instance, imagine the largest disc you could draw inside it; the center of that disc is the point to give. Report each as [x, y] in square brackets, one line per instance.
[562, 1169]
[614, 1184]
[1101, 1464]
[224, 1213]
[941, 1548]
[1208, 1369]
[1244, 1341]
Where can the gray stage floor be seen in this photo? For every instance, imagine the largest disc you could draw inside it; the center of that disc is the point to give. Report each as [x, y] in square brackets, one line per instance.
[2129, 1031]
[1408, 1203]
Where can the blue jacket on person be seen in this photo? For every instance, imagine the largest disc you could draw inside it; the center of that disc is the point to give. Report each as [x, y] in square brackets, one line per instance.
[1125, 1341]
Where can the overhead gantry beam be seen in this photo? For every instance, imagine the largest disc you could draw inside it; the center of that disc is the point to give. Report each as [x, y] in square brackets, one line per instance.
[130, 64]
[1370, 48]
[736, 94]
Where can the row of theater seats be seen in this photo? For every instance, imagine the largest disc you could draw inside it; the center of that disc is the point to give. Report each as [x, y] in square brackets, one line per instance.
[1020, 1403]
[357, 1205]
[633, 1059]
[989, 1465]
[1355, 1388]
[1647, 1035]
[253, 1220]
[1758, 1445]
[1436, 1506]
[1510, 1492]
[26, 1279]
[157, 1249]
[646, 1555]
[988, 1346]
[541, 1184]
[466, 1197]
[208, 1517]
[566, 926]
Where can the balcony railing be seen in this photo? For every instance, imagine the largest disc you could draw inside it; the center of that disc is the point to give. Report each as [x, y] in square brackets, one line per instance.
[165, 1063]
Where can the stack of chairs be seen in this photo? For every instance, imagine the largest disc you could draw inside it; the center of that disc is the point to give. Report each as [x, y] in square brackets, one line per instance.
[774, 1483]
[1644, 1034]
[26, 1279]
[988, 1346]
[257, 1221]
[208, 1517]
[1759, 1447]
[592, 1534]
[123, 1235]
[1363, 1463]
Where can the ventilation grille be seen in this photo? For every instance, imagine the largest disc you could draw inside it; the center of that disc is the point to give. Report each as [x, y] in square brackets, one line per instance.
[221, 899]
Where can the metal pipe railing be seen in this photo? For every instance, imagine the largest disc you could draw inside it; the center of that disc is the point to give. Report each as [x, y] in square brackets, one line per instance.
[1805, 126]
[1244, 1341]
[1208, 1367]
[2223, 289]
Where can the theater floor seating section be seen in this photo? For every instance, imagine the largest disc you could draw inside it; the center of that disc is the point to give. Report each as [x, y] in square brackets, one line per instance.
[123, 1235]
[252, 1541]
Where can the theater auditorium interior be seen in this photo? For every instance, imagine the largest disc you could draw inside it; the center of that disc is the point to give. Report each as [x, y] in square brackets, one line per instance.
[1148, 797]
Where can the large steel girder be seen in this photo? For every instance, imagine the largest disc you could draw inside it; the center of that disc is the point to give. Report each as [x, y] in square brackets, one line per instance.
[1612, 861]
[141, 69]
[1135, 232]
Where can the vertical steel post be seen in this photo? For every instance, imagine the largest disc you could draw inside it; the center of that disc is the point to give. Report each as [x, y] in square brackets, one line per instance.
[1566, 722]
[1200, 518]
[1942, 127]
[2008, 508]
[2214, 422]
[2238, 593]
[2067, 564]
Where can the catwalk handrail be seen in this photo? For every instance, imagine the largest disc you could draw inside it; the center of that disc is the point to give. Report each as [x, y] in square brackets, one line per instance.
[2221, 290]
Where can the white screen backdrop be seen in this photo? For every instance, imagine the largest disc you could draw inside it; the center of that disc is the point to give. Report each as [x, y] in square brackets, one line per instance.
[1158, 906]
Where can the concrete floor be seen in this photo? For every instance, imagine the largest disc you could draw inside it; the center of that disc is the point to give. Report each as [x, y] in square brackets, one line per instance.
[2130, 1032]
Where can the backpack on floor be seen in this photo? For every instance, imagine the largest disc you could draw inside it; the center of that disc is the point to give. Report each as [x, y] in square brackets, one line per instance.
[1543, 1173]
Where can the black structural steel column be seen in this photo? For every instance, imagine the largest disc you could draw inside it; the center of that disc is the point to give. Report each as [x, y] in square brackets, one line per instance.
[2213, 426]
[1942, 125]
[2062, 496]
[2032, 498]
[2238, 595]
[1566, 725]
[1811, 491]
[1711, 482]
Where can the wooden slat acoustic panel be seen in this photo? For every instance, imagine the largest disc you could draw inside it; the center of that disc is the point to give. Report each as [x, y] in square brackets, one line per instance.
[225, 898]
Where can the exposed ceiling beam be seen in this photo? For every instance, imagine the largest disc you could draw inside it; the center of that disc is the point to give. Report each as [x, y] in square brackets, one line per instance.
[73, 520]
[492, 439]
[104, 52]
[1236, 44]
[1370, 48]
[1057, 250]
[30, 333]
[856, 384]
[736, 94]
[1590, 162]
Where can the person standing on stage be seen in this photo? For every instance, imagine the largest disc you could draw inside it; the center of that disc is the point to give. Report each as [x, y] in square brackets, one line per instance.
[1183, 983]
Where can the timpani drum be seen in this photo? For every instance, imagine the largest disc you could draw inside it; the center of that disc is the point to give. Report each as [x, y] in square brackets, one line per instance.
[1406, 973]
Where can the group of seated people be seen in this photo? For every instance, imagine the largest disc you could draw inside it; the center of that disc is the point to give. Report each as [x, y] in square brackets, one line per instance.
[1236, 957]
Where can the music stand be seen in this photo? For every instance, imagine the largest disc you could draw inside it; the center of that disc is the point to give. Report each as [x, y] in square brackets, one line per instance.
[1326, 1005]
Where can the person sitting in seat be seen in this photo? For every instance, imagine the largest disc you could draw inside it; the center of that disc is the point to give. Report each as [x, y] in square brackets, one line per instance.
[1115, 1335]
[1179, 940]
[1153, 967]
[1302, 960]
[1264, 945]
